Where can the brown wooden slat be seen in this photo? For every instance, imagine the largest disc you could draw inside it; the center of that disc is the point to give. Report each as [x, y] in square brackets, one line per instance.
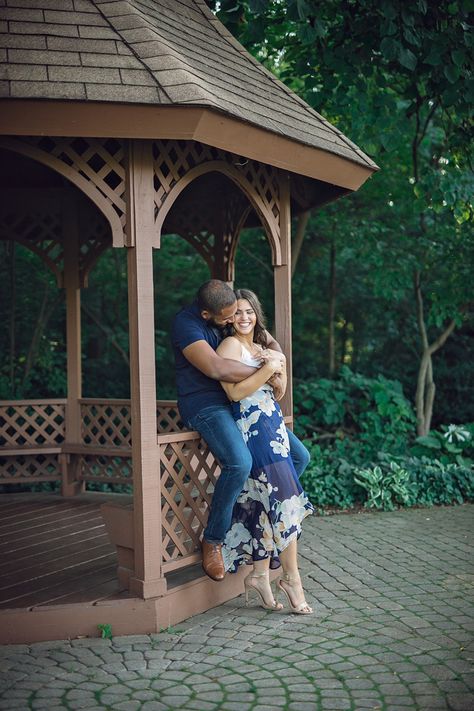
[81, 581]
[73, 572]
[55, 555]
[47, 568]
[100, 586]
[15, 531]
[52, 547]
[76, 528]
[40, 511]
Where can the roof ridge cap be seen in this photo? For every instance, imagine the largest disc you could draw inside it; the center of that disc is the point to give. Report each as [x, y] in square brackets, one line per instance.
[133, 11]
[229, 37]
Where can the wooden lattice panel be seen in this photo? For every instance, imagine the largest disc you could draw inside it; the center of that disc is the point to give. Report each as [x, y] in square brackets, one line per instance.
[31, 423]
[173, 160]
[100, 160]
[106, 469]
[168, 417]
[188, 477]
[29, 468]
[106, 423]
[38, 231]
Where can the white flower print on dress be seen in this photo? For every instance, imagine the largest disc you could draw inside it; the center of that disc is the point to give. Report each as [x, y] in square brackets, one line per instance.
[292, 511]
[262, 398]
[282, 444]
[245, 423]
[237, 535]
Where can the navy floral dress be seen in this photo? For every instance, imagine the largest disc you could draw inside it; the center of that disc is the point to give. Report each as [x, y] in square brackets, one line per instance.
[268, 513]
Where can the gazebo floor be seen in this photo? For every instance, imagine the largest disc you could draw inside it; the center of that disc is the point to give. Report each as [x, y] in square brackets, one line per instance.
[58, 575]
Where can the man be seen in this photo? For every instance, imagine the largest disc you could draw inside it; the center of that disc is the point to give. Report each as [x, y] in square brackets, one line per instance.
[203, 405]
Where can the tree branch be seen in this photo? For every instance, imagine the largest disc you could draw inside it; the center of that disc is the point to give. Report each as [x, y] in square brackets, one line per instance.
[107, 332]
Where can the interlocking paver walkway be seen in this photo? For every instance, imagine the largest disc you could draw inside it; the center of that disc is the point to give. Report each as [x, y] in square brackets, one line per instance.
[393, 630]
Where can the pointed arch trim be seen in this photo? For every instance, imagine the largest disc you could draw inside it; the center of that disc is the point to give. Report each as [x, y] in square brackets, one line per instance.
[74, 177]
[267, 218]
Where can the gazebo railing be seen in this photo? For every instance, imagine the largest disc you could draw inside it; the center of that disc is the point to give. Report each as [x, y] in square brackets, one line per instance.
[188, 474]
[32, 433]
[33, 439]
[33, 449]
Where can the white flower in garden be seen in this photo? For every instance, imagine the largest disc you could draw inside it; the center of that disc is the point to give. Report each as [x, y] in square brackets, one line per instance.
[457, 433]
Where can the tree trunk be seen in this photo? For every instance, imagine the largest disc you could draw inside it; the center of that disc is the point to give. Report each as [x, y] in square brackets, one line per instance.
[44, 315]
[108, 333]
[12, 318]
[332, 311]
[299, 238]
[425, 388]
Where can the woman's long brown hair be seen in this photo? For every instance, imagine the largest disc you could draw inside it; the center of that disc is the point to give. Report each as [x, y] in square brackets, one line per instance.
[259, 335]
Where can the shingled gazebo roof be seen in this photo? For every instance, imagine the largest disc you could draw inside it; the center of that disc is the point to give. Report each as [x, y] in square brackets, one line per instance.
[153, 52]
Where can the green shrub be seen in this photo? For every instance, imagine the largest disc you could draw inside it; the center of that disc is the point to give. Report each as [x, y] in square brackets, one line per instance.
[451, 444]
[385, 488]
[434, 482]
[328, 480]
[372, 410]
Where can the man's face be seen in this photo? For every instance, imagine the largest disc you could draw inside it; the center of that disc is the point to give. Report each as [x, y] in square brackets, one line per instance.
[223, 318]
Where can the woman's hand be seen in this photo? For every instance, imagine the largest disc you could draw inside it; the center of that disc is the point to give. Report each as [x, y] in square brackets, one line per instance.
[273, 358]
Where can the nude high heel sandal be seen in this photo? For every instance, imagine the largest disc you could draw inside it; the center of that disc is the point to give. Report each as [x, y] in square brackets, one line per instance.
[303, 608]
[248, 586]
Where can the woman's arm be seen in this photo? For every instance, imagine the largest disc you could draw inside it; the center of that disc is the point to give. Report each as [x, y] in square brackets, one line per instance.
[231, 348]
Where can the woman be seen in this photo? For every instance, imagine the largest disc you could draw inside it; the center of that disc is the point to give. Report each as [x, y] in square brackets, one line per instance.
[267, 517]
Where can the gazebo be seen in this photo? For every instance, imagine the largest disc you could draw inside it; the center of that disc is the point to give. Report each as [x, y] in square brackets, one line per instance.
[121, 121]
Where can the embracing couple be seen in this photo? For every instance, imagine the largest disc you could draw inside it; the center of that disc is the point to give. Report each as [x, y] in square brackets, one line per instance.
[230, 373]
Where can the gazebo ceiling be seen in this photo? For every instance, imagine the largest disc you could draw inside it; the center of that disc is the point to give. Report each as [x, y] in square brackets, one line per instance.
[162, 54]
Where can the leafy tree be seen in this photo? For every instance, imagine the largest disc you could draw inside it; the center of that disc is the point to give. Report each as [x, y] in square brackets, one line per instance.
[397, 79]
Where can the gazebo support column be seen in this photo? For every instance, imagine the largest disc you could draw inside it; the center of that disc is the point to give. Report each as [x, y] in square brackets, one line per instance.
[147, 581]
[70, 465]
[282, 283]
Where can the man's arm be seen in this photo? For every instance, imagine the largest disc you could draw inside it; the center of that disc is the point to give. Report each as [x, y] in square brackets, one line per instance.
[271, 343]
[204, 358]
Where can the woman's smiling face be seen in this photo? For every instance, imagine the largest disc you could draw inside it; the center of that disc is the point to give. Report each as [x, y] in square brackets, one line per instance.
[245, 318]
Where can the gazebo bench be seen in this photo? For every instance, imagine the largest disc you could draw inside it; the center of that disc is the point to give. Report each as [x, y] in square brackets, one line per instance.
[71, 482]
[31, 449]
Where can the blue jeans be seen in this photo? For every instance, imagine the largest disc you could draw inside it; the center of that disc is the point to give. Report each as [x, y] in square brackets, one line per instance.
[218, 428]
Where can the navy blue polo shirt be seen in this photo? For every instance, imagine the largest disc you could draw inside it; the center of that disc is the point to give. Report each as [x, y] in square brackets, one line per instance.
[195, 390]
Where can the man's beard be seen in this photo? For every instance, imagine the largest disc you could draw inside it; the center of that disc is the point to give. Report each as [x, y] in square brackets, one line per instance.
[225, 329]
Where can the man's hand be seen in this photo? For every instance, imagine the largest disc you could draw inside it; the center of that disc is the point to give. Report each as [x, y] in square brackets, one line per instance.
[277, 384]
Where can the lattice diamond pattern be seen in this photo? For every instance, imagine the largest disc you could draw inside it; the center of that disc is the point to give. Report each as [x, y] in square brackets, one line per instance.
[39, 232]
[107, 424]
[168, 418]
[188, 477]
[33, 424]
[100, 160]
[173, 159]
[38, 467]
[110, 470]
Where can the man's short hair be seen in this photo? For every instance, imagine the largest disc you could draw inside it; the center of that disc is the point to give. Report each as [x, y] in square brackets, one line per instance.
[215, 295]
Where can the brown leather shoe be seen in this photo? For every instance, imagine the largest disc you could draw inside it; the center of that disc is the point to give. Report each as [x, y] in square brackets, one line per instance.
[212, 562]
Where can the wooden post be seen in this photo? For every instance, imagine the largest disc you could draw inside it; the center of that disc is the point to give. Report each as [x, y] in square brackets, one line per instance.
[282, 282]
[70, 234]
[148, 581]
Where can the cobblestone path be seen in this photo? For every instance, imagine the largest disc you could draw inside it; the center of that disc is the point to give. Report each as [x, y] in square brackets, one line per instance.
[393, 630]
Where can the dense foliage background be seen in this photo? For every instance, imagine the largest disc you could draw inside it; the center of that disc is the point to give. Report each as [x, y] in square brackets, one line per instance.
[383, 289]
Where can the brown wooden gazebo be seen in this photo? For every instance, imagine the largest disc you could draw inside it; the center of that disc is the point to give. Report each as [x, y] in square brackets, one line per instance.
[120, 122]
